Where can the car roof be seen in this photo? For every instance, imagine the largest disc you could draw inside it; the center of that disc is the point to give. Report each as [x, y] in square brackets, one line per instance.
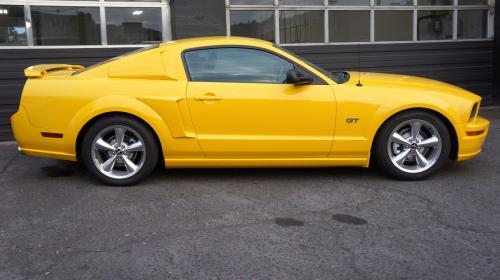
[215, 41]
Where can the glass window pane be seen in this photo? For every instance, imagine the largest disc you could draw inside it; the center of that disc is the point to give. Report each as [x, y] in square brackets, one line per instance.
[435, 25]
[349, 2]
[12, 26]
[472, 24]
[394, 2]
[133, 25]
[349, 26]
[435, 2]
[302, 2]
[387, 30]
[238, 65]
[65, 26]
[256, 24]
[472, 2]
[301, 27]
[251, 2]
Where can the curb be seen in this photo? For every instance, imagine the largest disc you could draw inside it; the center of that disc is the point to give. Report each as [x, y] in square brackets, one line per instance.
[8, 143]
[490, 108]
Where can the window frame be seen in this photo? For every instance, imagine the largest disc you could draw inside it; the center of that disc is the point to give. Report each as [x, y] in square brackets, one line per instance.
[316, 79]
[164, 5]
[455, 7]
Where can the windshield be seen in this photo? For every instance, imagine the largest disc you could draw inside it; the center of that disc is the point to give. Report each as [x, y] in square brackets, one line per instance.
[339, 78]
[117, 57]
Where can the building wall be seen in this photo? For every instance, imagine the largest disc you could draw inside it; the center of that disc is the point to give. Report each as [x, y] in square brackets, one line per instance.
[496, 95]
[12, 78]
[466, 64]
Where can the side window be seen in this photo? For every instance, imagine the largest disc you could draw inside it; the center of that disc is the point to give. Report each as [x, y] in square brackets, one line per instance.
[237, 65]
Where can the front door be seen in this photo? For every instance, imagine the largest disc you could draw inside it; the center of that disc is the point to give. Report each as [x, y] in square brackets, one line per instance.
[242, 107]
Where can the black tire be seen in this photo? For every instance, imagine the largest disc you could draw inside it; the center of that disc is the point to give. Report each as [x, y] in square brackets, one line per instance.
[151, 149]
[381, 147]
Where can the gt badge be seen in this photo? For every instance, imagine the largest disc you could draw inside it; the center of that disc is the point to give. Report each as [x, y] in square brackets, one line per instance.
[352, 120]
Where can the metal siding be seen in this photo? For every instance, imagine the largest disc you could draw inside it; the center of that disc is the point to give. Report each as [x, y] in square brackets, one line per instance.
[496, 94]
[13, 62]
[466, 64]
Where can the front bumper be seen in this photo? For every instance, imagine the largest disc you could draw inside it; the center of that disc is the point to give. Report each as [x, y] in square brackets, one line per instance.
[471, 137]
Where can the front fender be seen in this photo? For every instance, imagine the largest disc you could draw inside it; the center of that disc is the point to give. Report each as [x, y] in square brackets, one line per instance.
[371, 109]
[383, 115]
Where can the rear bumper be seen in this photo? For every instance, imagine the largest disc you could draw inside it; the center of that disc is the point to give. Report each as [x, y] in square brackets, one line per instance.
[31, 142]
[471, 137]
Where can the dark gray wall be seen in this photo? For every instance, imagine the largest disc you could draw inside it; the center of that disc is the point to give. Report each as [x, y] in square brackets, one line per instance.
[497, 56]
[13, 62]
[195, 18]
[466, 64]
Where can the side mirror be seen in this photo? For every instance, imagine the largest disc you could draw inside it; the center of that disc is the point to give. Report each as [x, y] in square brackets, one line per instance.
[297, 78]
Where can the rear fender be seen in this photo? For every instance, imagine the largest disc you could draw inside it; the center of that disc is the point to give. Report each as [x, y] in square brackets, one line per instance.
[120, 104]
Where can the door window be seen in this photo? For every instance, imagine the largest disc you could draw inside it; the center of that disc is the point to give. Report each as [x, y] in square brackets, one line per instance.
[236, 65]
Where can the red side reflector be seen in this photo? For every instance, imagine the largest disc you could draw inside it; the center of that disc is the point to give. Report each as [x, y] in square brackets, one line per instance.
[52, 135]
[475, 133]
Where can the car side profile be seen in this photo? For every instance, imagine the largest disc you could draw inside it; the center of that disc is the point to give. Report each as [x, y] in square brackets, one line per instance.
[240, 102]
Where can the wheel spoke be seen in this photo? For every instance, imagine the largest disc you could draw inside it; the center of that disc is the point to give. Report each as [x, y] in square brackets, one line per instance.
[421, 160]
[400, 158]
[430, 142]
[131, 167]
[109, 164]
[103, 145]
[119, 134]
[397, 138]
[415, 129]
[136, 147]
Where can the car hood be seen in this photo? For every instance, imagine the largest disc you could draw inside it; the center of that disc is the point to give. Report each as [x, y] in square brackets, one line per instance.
[405, 81]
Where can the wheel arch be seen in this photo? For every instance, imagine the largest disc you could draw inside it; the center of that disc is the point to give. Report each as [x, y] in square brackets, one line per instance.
[96, 118]
[118, 104]
[441, 116]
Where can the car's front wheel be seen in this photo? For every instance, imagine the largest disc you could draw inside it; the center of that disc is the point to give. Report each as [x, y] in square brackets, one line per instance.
[412, 145]
[119, 151]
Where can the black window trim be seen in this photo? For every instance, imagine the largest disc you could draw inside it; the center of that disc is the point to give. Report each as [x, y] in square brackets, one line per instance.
[316, 80]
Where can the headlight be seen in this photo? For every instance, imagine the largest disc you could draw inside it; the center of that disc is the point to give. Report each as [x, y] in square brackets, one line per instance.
[474, 111]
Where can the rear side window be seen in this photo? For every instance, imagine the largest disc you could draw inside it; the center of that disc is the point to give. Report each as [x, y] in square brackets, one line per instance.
[236, 65]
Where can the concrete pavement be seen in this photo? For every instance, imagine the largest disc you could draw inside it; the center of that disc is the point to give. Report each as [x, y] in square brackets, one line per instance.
[56, 222]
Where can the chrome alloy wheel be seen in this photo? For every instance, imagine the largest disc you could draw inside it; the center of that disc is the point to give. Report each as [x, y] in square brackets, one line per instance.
[118, 152]
[414, 146]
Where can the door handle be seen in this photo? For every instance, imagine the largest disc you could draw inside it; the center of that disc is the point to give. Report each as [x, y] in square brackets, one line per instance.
[207, 97]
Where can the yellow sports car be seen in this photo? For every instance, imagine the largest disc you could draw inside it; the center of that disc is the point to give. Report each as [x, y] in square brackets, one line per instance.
[240, 102]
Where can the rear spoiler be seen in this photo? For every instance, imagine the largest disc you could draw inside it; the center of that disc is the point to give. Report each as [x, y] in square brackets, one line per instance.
[42, 69]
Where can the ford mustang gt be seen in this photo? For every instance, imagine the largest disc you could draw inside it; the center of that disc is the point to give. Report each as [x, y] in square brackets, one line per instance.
[240, 102]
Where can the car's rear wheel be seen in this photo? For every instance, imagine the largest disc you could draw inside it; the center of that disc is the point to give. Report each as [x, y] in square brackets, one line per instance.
[412, 145]
[119, 151]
